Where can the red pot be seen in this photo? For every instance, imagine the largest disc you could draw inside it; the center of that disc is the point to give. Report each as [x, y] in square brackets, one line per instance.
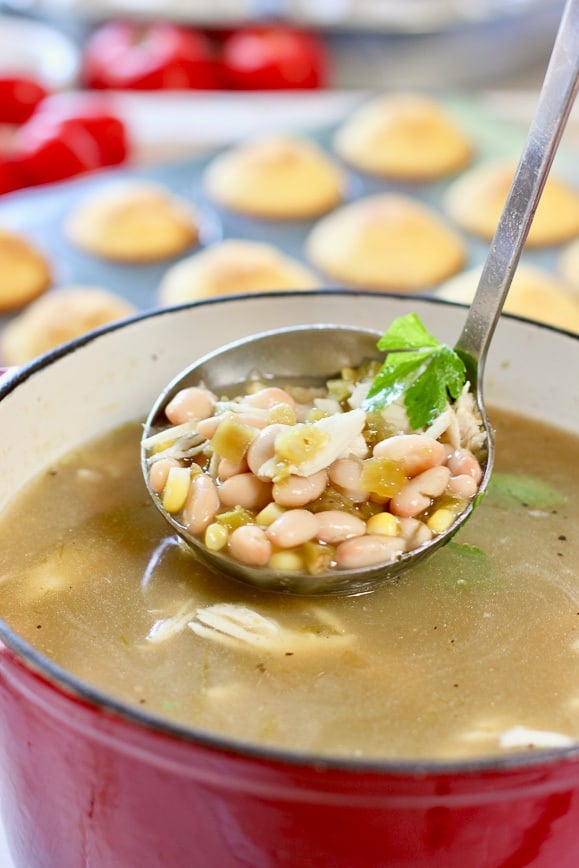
[88, 781]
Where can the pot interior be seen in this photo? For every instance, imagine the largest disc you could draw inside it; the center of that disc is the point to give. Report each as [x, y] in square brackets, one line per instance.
[114, 376]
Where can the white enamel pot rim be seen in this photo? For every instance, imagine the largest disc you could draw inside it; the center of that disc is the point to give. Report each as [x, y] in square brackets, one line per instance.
[114, 375]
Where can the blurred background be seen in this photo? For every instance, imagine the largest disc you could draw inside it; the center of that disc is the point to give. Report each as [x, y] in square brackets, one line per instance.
[372, 43]
[338, 47]
[150, 88]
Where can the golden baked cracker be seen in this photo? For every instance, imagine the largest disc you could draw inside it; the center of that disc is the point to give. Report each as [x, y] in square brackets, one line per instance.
[404, 136]
[276, 177]
[476, 199]
[133, 221]
[25, 272]
[386, 242]
[59, 316]
[534, 294]
[230, 267]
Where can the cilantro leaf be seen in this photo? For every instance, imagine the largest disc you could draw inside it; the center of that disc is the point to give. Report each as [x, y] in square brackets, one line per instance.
[417, 366]
[407, 333]
[519, 489]
[466, 549]
[393, 379]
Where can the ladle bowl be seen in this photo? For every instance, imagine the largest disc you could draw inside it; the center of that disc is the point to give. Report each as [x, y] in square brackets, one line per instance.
[305, 353]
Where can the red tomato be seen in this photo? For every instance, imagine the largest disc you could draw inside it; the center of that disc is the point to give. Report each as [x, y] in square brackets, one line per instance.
[126, 55]
[19, 96]
[273, 58]
[97, 117]
[12, 176]
[52, 149]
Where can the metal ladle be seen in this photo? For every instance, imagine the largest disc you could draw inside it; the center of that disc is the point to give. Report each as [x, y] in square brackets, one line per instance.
[323, 350]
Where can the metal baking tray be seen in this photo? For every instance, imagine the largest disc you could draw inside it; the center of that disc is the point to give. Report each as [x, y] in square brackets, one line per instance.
[39, 213]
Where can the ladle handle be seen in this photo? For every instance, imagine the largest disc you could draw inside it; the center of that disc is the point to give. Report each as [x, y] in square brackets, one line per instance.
[553, 108]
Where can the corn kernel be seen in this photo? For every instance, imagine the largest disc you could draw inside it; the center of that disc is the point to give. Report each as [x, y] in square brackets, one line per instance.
[384, 524]
[269, 514]
[440, 520]
[176, 489]
[286, 561]
[216, 536]
[317, 557]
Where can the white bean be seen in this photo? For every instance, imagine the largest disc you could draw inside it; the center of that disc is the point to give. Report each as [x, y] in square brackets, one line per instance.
[335, 526]
[207, 427]
[345, 474]
[249, 545]
[245, 490]
[294, 527]
[263, 447]
[202, 504]
[368, 551]
[417, 494]
[226, 468]
[462, 462]
[269, 397]
[416, 452]
[296, 491]
[191, 403]
[159, 472]
[414, 532]
[254, 420]
[462, 486]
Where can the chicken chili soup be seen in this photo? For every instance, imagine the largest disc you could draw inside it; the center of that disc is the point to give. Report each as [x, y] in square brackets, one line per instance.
[473, 653]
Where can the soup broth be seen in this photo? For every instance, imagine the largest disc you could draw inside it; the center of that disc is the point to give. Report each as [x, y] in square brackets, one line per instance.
[475, 652]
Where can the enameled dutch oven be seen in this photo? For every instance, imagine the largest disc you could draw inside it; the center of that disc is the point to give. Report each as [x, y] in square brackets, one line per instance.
[87, 781]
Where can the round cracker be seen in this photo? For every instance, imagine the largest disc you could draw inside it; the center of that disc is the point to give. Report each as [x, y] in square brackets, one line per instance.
[57, 317]
[232, 267]
[133, 222]
[404, 136]
[24, 271]
[386, 242]
[476, 200]
[275, 177]
[534, 294]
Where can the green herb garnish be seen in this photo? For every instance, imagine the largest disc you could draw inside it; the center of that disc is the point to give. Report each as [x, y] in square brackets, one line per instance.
[518, 489]
[427, 373]
[466, 549]
[466, 565]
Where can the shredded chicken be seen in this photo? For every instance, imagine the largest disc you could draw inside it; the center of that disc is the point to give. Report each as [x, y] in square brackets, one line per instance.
[471, 433]
[460, 424]
[238, 626]
[164, 629]
[180, 441]
[342, 430]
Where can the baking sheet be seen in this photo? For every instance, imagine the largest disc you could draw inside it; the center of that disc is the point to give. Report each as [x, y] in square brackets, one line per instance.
[39, 213]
